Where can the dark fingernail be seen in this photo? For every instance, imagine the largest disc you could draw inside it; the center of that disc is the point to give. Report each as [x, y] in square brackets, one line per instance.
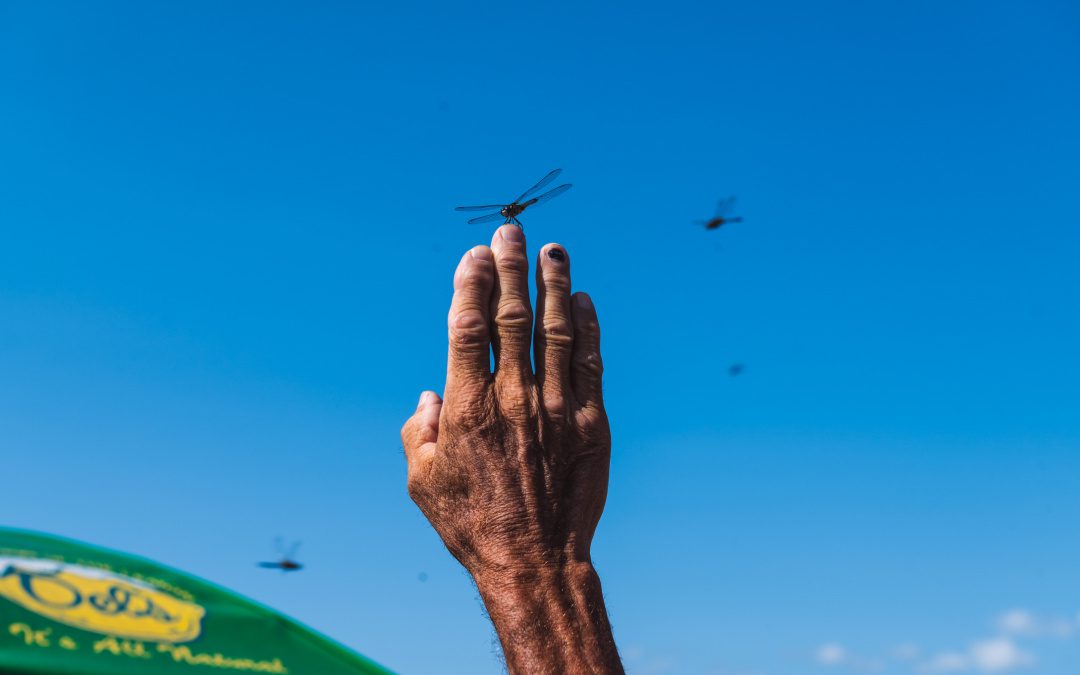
[557, 254]
[583, 301]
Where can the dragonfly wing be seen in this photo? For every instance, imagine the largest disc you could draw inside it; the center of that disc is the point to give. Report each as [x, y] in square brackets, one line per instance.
[552, 194]
[479, 208]
[724, 205]
[269, 565]
[486, 219]
[536, 188]
[291, 553]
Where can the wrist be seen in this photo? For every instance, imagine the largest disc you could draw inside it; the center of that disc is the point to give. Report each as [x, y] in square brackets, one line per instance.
[540, 573]
[550, 618]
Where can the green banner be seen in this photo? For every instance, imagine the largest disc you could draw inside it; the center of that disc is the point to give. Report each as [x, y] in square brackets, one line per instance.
[70, 608]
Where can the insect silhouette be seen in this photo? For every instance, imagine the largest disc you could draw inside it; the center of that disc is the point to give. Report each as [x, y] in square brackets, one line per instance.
[288, 557]
[721, 218]
[514, 209]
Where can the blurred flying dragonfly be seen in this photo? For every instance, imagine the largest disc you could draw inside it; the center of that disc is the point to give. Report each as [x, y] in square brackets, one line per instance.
[723, 207]
[288, 557]
[512, 210]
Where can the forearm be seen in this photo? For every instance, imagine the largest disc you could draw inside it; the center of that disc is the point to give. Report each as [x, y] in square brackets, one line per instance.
[551, 621]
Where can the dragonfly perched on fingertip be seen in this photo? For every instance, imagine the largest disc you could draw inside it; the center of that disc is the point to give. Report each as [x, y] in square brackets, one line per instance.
[514, 209]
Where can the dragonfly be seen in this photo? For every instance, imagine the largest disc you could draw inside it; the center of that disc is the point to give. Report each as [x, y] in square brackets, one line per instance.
[514, 209]
[287, 563]
[721, 218]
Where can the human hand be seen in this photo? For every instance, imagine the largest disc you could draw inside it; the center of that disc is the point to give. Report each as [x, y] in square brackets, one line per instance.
[511, 468]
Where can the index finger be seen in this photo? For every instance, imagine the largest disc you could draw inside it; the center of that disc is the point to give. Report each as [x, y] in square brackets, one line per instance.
[469, 361]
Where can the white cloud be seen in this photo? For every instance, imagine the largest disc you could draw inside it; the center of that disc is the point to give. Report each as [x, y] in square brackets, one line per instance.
[831, 654]
[1017, 622]
[1025, 623]
[996, 655]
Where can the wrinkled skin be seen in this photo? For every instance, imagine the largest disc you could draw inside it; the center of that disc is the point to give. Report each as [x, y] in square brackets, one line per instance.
[511, 467]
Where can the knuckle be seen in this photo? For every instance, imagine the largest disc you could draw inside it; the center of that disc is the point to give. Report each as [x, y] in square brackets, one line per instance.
[554, 405]
[513, 315]
[557, 331]
[596, 434]
[591, 424]
[468, 327]
[591, 328]
[557, 282]
[512, 262]
[514, 393]
[590, 364]
[408, 433]
[415, 488]
[469, 412]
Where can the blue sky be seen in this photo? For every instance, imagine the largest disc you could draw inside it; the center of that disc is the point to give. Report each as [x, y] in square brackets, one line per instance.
[226, 247]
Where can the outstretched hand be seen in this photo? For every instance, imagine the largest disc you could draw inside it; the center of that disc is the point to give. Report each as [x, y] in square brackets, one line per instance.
[511, 468]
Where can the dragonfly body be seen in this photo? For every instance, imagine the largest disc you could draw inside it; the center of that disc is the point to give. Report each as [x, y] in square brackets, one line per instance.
[283, 565]
[510, 212]
[718, 221]
[513, 210]
[721, 218]
[287, 563]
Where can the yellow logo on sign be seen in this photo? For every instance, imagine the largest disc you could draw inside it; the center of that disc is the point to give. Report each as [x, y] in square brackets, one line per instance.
[98, 601]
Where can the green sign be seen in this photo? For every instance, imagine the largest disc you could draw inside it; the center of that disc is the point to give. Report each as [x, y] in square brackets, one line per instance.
[70, 608]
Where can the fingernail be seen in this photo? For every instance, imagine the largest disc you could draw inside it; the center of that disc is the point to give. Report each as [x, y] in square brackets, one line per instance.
[512, 233]
[557, 254]
[480, 253]
[425, 397]
[583, 301]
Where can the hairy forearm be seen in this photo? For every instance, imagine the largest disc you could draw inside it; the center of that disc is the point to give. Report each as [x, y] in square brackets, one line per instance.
[551, 620]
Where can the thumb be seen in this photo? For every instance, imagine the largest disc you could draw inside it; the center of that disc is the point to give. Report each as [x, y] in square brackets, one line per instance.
[421, 431]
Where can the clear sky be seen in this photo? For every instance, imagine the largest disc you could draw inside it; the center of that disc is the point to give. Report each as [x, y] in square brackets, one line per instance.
[226, 248]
